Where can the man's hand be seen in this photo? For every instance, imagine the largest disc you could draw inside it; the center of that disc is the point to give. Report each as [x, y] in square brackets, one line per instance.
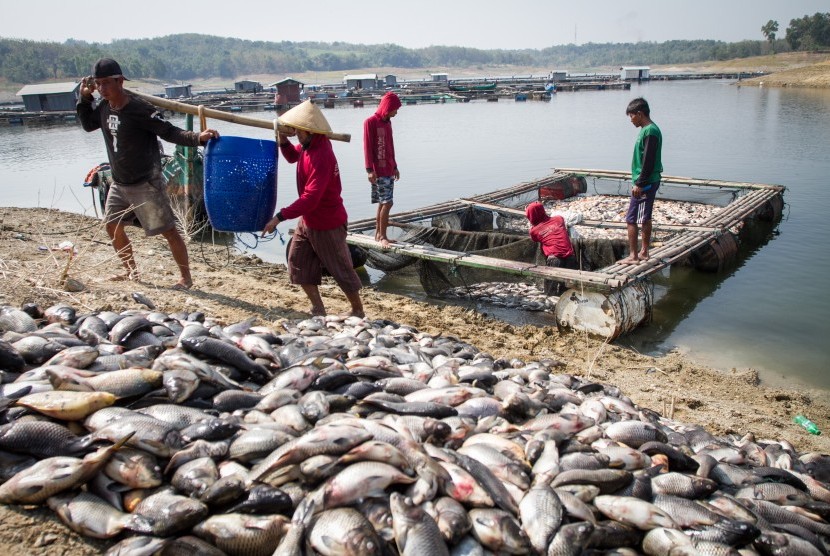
[637, 192]
[285, 133]
[207, 135]
[373, 177]
[87, 87]
[270, 226]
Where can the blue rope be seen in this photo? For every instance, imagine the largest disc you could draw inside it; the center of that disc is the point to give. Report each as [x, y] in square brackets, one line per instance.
[264, 238]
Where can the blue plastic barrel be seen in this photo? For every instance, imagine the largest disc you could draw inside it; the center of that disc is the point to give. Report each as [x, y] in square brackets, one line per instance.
[240, 183]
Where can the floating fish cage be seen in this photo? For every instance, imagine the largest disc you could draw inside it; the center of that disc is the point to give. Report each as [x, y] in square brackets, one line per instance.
[466, 245]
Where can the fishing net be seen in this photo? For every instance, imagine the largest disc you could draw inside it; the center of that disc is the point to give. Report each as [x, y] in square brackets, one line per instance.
[188, 202]
[438, 277]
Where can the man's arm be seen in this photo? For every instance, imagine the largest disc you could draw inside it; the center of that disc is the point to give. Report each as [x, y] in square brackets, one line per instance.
[369, 143]
[650, 145]
[320, 173]
[86, 113]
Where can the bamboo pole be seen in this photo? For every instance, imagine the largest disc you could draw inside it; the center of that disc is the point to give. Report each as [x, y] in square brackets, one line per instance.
[615, 174]
[193, 109]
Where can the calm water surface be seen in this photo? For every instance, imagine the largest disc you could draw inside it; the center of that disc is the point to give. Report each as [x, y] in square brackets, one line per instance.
[770, 312]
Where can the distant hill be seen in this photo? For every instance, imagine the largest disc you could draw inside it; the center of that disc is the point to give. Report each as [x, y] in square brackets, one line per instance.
[210, 57]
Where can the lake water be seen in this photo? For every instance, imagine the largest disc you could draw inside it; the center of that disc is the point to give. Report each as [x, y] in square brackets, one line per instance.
[769, 313]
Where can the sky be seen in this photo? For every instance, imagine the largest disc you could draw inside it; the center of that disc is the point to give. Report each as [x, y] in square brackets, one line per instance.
[485, 24]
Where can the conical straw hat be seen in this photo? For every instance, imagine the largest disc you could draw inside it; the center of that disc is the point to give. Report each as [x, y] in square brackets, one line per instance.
[308, 117]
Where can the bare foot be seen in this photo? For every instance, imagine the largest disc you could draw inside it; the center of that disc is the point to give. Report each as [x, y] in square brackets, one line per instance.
[643, 255]
[629, 260]
[318, 311]
[182, 285]
[385, 243]
[125, 277]
[358, 314]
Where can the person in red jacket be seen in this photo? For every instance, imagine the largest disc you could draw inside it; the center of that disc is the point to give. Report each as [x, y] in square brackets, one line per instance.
[319, 240]
[552, 233]
[379, 152]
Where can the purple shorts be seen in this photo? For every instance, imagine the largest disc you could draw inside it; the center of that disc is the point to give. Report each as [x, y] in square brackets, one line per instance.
[639, 209]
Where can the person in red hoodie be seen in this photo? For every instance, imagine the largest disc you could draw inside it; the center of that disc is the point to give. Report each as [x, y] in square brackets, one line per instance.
[552, 233]
[319, 240]
[379, 152]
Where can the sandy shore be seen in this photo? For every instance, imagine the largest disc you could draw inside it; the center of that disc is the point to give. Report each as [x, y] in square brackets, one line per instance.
[234, 288]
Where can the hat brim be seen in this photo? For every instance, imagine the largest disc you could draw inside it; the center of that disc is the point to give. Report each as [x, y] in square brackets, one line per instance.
[304, 128]
[307, 117]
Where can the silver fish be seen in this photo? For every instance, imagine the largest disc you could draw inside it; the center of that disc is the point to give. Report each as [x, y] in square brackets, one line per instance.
[164, 513]
[452, 518]
[195, 477]
[541, 515]
[633, 511]
[343, 531]
[571, 539]
[134, 469]
[143, 299]
[88, 514]
[416, 533]
[51, 476]
[243, 534]
[499, 531]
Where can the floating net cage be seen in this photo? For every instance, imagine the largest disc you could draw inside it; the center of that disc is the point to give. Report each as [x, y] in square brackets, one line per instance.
[594, 208]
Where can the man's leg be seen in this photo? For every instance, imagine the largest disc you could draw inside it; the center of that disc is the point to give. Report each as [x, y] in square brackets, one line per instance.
[179, 250]
[357, 304]
[383, 223]
[313, 294]
[124, 249]
[646, 240]
[632, 257]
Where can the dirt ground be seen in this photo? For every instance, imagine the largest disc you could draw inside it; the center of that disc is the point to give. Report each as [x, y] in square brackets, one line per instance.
[33, 262]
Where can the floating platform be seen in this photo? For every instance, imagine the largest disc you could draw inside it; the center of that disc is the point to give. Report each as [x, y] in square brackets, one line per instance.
[604, 298]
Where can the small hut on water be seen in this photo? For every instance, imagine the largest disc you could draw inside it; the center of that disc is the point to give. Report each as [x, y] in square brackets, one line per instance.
[288, 92]
[50, 97]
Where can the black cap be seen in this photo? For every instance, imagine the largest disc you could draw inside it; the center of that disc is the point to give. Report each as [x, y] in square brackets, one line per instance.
[107, 67]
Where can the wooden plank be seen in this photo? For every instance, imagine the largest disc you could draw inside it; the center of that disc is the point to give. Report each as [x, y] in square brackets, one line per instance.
[599, 280]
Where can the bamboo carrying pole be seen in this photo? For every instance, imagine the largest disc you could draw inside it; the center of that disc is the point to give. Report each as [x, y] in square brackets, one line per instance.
[185, 108]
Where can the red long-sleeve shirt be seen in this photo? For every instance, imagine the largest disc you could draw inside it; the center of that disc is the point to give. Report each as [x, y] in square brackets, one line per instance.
[378, 146]
[318, 185]
[551, 232]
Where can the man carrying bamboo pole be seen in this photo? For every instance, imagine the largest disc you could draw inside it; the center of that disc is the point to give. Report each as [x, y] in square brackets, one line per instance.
[319, 240]
[131, 127]
[646, 167]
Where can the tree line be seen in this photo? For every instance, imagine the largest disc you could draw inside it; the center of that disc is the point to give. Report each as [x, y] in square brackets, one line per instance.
[183, 57]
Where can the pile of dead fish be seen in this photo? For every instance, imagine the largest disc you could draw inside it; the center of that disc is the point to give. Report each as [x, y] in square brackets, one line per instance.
[512, 295]
[173, 434]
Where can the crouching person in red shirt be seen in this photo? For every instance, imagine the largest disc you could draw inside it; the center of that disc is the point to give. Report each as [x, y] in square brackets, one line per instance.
[552, 233]
[319, 240]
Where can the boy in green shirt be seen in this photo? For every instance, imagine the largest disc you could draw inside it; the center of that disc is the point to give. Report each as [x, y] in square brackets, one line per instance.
[646, 166]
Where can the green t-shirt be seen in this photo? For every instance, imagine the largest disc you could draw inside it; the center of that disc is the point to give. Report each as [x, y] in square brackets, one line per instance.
[647, 158]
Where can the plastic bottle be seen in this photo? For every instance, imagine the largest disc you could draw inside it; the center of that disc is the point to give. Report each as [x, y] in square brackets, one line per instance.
[808, 425]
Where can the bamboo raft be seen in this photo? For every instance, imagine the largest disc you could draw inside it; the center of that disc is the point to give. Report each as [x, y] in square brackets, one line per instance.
[608, 301]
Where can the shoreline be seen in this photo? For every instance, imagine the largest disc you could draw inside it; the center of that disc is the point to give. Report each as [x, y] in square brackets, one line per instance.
[796, 69]
[233, 288]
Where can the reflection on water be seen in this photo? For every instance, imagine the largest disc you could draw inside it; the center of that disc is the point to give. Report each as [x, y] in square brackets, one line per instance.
[768, 312]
